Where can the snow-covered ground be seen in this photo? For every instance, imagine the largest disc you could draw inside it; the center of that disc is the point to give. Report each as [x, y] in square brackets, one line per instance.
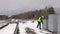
[8, 29]
[32, 26]
[22, 28]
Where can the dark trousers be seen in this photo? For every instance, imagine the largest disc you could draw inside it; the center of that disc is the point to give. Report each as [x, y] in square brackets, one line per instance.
[39, 25]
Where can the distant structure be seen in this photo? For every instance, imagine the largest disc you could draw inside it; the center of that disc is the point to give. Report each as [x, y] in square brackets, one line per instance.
[3, 17]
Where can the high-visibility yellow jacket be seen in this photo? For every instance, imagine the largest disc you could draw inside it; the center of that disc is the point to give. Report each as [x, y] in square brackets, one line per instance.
[39, 19]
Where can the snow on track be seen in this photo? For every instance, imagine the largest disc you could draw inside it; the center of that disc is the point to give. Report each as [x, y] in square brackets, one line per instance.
[22, 26]
[8, 29]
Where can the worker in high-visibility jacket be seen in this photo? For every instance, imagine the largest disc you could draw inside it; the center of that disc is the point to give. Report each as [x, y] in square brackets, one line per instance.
[39, 20]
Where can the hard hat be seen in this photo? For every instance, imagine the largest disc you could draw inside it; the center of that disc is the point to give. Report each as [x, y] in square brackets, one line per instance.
[42, 16]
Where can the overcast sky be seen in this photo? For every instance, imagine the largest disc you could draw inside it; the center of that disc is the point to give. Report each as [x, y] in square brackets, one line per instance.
[10, 7]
